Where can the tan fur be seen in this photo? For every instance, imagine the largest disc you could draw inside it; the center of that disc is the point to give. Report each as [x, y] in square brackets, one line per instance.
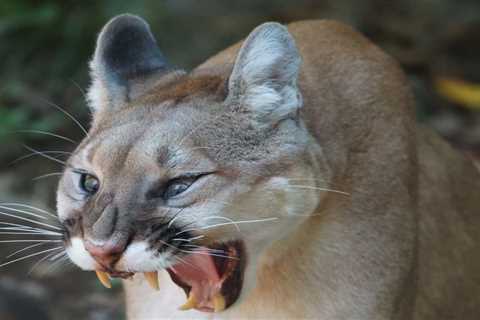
[405, 242]
[355, 99]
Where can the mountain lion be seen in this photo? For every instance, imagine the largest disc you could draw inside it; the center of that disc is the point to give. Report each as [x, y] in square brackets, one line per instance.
[284, 178]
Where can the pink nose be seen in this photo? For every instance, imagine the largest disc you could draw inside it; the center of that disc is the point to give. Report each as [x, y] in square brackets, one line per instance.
[106, 254]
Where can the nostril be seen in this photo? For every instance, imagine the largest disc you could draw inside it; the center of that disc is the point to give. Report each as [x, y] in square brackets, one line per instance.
[105, 254]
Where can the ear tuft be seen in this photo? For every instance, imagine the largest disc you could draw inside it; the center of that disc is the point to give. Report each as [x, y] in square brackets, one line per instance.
[264, 77]
[126, 53]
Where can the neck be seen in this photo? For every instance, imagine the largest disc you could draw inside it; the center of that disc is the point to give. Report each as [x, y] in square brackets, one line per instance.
[287, 272]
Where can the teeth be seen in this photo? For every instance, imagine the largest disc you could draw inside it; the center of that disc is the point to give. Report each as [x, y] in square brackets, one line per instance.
[190, 304]
[104, 279]
[152, 279]
[218, 303]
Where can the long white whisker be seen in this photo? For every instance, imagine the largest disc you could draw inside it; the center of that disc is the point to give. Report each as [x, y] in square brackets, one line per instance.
[226, 224]
[51, 254]
[29, 256]
[48, 175]
[70, 116]
[28, 207]
[28, 240]
[223, 218]
[45, 155]
[189, 239]
[30, 231]
[180, 239]
[174, 218]
[316, 188]
[36, 154]
[26, 233]
[24, 249]
[209, 254]
[23, 211]
[30, 220]
[58, 263]
[204, 248]
[19, 227]
[48, 134]
[22, 226]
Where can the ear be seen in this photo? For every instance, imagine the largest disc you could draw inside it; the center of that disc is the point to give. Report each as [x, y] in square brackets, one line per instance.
[264, 77]
[126, 57]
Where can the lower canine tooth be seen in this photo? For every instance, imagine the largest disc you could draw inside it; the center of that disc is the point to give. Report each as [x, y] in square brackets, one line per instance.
[190, 304]
[218, 303]
[152, 279]
[104, 279]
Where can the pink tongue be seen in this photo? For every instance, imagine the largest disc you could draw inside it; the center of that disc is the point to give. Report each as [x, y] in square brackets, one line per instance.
[200, 273]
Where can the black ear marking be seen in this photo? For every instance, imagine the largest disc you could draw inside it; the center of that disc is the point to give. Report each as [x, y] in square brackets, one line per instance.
[128, 49]
[127, 63]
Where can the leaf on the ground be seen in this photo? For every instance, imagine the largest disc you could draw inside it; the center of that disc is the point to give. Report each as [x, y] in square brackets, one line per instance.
[459, 91]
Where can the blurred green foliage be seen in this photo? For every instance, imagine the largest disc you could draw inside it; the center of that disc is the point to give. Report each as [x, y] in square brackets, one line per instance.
[46, 45]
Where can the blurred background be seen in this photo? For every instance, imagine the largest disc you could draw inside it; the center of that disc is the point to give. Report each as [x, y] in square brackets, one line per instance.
[44, 52]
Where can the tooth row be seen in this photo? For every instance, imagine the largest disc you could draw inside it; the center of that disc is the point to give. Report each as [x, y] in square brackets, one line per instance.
[191, 303]
[152, 280]
[151, 277]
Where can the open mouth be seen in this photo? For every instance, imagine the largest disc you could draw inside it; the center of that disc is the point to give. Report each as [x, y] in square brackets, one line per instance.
[212, 277]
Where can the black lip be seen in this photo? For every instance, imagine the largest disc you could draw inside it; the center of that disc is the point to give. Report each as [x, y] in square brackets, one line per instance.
[233, 283]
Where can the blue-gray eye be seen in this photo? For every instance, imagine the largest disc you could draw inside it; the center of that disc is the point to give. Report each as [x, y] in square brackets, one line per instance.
[89, 183]
[176, 187]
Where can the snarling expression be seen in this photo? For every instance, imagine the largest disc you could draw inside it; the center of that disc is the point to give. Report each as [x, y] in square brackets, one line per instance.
[187, 172]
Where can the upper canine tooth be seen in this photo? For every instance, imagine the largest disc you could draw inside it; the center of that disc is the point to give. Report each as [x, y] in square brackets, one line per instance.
[152, 279]
[190, 304]
[218, 302]
[104, 278]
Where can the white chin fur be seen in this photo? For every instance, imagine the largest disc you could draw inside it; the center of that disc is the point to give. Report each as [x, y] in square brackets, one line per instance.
[138, 257]
[79, 255]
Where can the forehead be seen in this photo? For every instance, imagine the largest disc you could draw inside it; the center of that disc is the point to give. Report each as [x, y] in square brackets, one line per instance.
[156, 137]
[157, 125]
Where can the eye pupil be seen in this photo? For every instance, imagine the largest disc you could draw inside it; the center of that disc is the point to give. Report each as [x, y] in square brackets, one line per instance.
[89, 183]
[175, 188]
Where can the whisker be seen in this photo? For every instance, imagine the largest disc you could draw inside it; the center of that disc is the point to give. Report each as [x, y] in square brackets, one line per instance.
[172, 220]
[29, 256]
[209, 254]
[48, 134]
[23, 211]
[223, 218]
[316, 188]
[18, 227]
[51, 254]
[47, 175]
[185, 262]
[30, 220]
[204, 248]
[26, 233]
[70, 116]
[24, 249]
[45, 155]
[226, 224]
[29, 232]
[36, 154]
[28, 207]
[28, 240]
[60, 261]
[190, 239]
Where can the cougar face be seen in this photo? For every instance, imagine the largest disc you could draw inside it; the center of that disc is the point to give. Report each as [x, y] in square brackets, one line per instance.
[190, 173]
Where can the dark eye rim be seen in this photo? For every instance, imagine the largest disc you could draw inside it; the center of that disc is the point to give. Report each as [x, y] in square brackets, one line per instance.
[83, 176]
[191, 178]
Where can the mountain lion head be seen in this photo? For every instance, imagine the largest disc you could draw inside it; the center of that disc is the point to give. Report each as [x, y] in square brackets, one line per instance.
[197, 173]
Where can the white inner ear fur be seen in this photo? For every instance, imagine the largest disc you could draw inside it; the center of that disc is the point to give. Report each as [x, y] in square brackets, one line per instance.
[265, 73]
